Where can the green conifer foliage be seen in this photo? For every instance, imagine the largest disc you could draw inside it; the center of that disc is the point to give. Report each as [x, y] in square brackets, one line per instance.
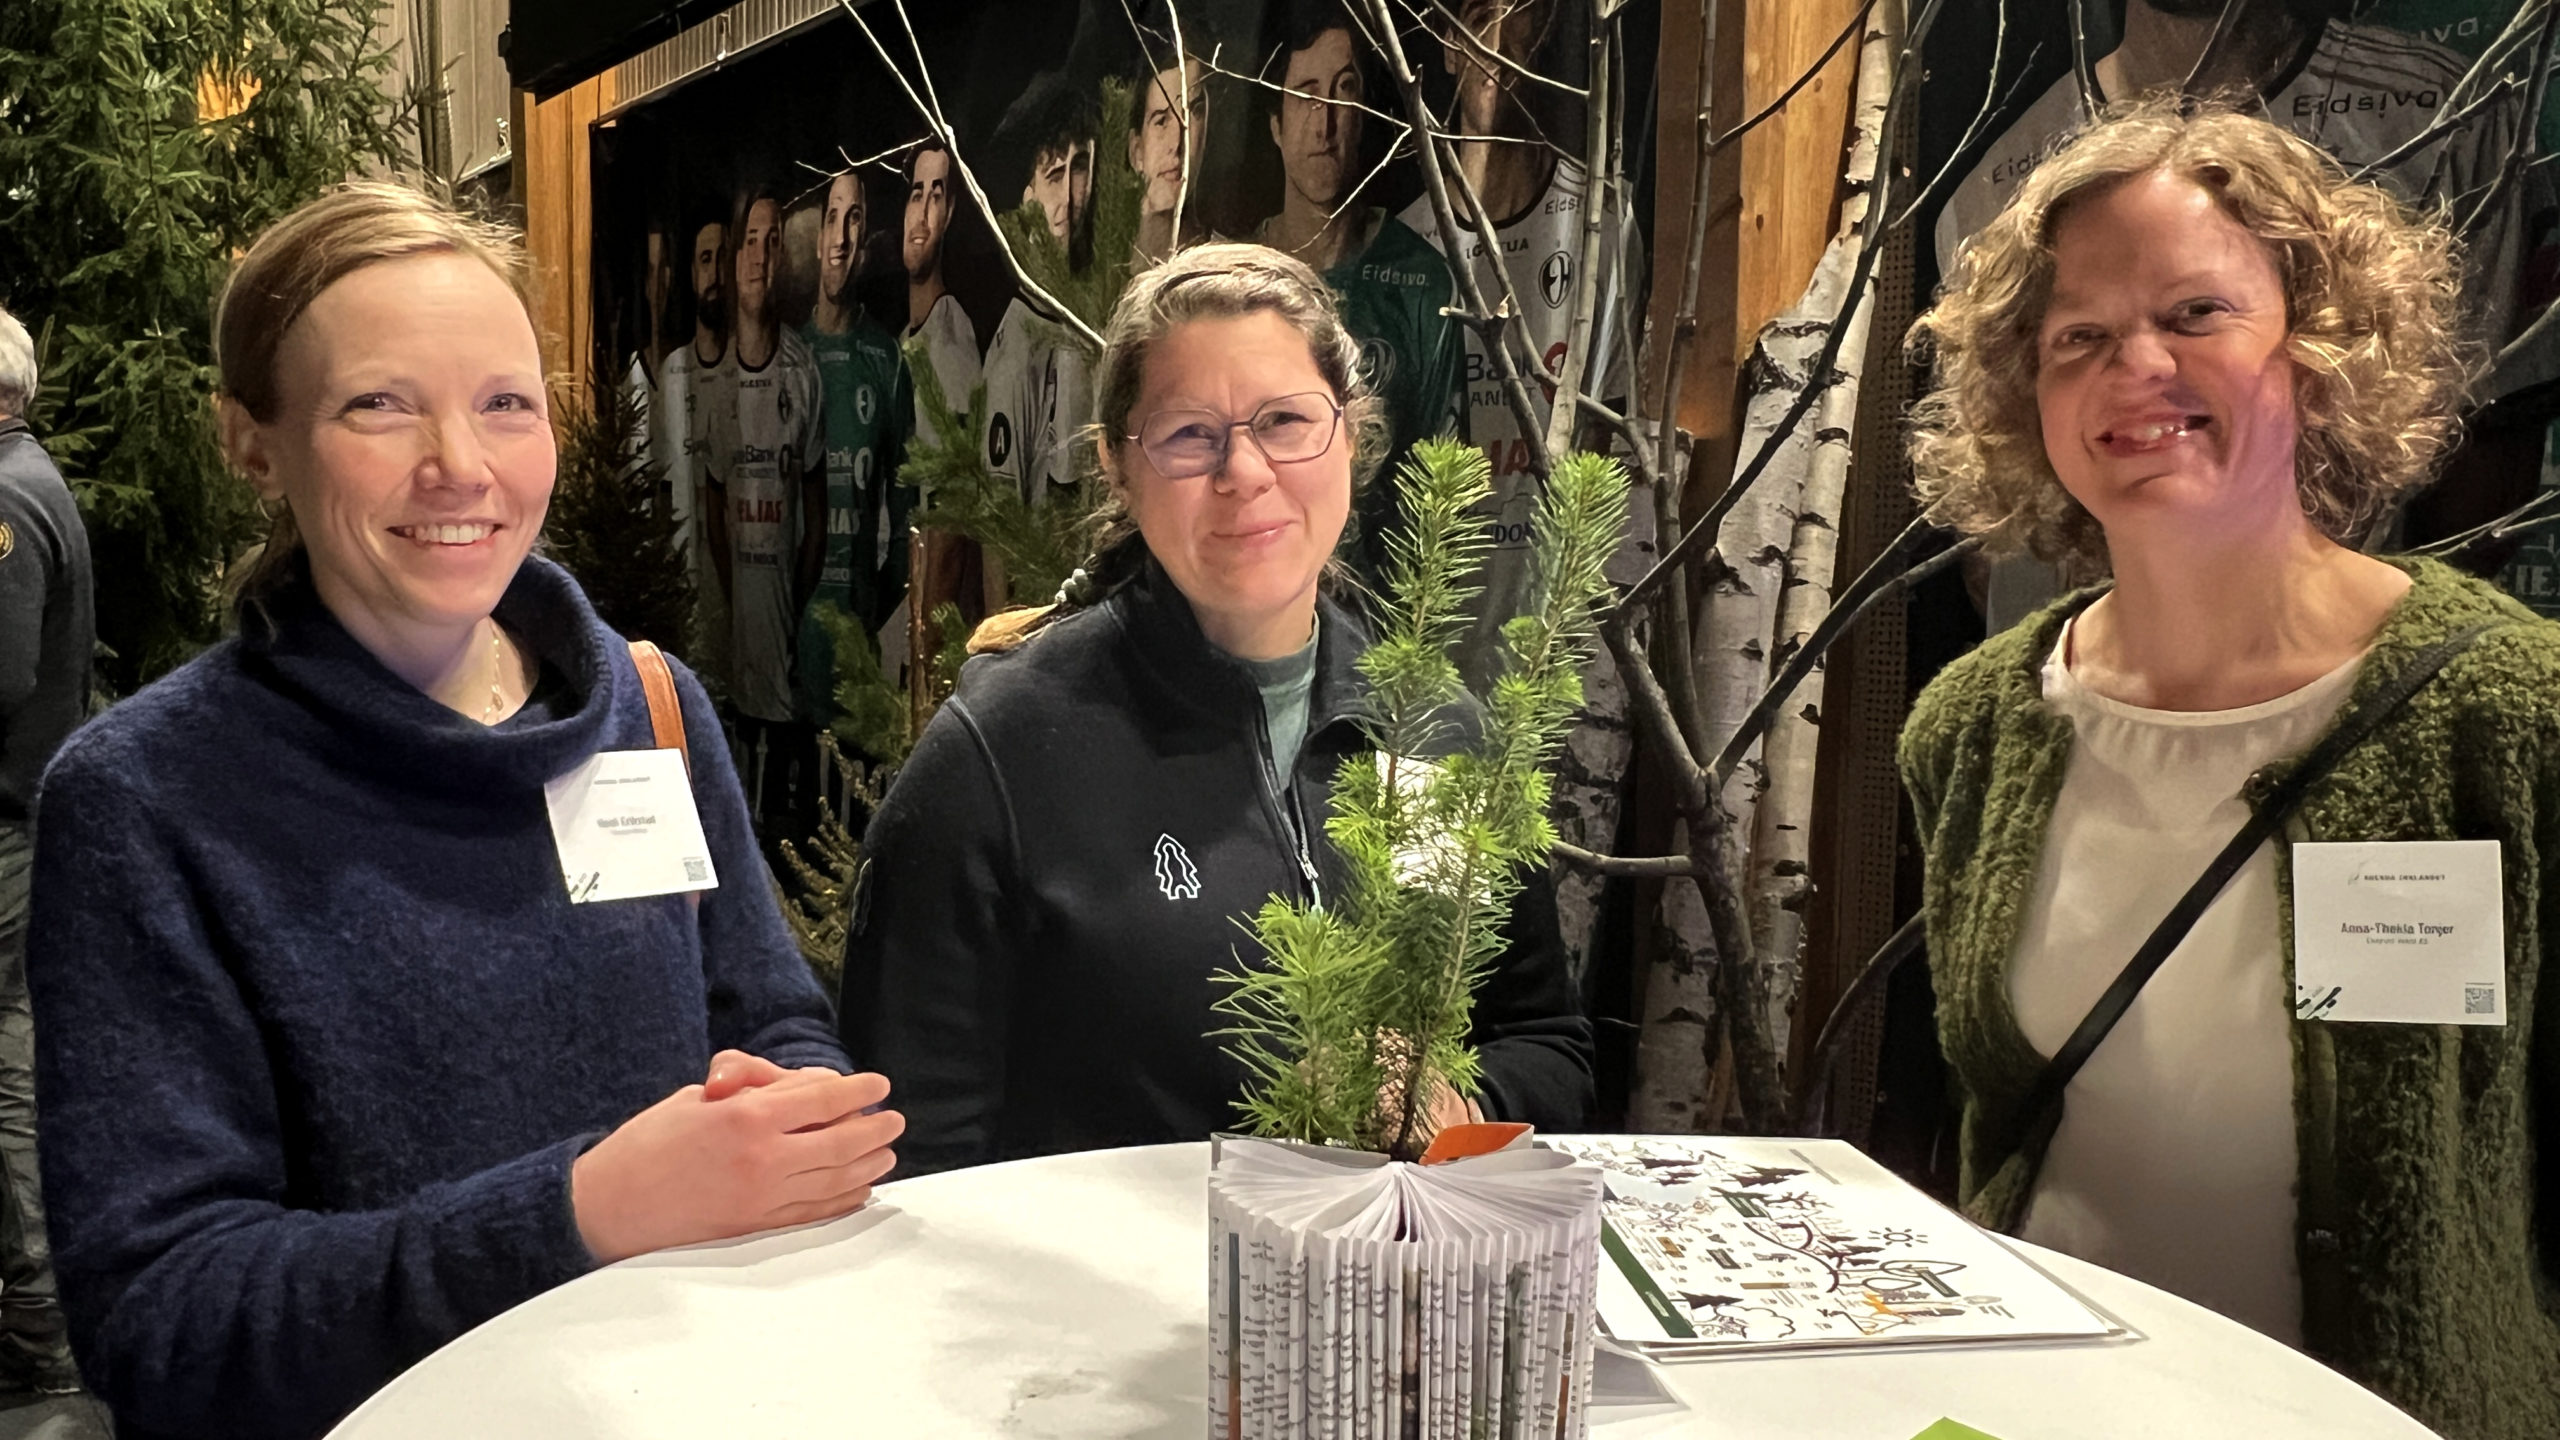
[612, 527]
[123, 196]
[1359, 1010]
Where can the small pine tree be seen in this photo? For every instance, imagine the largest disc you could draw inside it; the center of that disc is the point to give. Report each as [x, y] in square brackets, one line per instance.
[818, 900]
[612, 526]
[1358, 1013]
[143, 144]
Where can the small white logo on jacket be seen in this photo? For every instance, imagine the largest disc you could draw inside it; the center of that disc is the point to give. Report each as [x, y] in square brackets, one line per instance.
[1175, 874]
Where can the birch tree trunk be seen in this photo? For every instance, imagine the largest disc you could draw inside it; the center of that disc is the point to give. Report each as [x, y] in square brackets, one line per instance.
[1781, 840]
[1777, 531]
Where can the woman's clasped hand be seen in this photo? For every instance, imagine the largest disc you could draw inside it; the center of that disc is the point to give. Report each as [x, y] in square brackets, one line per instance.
[754, 1147]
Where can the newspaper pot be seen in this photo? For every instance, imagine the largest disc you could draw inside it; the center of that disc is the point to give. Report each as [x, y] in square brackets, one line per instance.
[1355, 1295]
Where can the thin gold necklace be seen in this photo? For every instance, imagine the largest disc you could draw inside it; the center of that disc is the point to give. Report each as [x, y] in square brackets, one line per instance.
[496, 665]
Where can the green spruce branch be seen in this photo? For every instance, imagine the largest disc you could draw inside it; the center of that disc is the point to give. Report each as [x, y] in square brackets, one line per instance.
[611, 523]
[1358, 1013]
[958, 491]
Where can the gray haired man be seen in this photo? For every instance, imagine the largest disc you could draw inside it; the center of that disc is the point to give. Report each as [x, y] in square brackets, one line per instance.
[47, 633]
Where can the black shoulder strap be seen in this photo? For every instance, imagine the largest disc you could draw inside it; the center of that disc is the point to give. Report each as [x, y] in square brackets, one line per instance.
[2043, 1108]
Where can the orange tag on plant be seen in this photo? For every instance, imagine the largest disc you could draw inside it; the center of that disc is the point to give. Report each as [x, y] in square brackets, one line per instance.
[1461, 1142]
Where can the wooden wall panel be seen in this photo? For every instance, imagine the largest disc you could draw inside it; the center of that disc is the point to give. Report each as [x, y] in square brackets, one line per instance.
[1791, 164]
[553, 152]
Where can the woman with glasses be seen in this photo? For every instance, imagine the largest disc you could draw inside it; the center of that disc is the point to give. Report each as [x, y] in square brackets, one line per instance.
[1087, 828]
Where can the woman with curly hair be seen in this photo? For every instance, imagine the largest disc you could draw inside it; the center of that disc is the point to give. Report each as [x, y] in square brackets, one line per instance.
[2194, 356]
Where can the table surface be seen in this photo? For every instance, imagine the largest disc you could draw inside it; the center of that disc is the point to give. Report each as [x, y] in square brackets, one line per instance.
[1064, 1298]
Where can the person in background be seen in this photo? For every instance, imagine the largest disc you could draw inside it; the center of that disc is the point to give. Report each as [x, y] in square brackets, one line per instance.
[1533, 199]
[1394, 285]
[48, 632]
[1168, 126]
[863, 567]
[1039, 379]
[2193, 353]
[695, 390]
[1088, 825]
[769, 492]
[335, 1063]
[942, 567]
[934, 314]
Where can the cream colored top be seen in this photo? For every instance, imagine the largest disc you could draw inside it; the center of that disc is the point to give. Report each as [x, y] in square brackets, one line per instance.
[2176, 1160]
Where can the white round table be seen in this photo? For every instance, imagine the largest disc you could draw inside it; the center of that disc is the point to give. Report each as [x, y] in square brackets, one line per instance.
[1065, 1297]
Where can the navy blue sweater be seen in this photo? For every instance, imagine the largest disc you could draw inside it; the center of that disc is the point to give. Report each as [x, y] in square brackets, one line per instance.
[319, 1032]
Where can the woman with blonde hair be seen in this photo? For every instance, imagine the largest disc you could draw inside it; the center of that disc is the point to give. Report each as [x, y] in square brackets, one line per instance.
[1087, 828]
[346, 1042]
[2194, 356]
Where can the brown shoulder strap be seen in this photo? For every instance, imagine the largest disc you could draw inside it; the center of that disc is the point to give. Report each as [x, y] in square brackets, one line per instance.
[666, 714]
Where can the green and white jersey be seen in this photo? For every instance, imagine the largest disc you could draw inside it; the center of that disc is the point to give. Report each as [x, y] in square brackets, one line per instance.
[1541, 253]
[776, 440]
[692, 394]
[1393, 289]
[864, 381]
[1039, 394]
[951, 342]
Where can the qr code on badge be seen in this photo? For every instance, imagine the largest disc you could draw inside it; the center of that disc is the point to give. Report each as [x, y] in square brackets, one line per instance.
[698, 870]
[2479, 1000]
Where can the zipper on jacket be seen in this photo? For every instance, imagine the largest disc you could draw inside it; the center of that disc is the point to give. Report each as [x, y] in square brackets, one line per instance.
[1286, 817]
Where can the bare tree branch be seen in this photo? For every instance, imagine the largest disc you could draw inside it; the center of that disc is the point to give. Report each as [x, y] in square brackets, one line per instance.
[1684, 321]
[1856, 23]
[1463, 274]
[1652, 867]
[1563, 412]
[2083, 74]
[2539, 512]
[1879, 580]
[2528, 127]
[1880, 222]
[1047, 303]
[2213, 43]
[1482, 51]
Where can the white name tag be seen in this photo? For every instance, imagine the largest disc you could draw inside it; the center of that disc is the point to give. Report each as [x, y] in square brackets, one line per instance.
[626, 827]
[2412, 932]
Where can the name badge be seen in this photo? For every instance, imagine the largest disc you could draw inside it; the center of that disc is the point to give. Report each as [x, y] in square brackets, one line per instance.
[2412, 932]
[626, 827]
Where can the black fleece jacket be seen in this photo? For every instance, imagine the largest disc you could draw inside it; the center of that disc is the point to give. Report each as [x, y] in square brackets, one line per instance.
[1078, 843]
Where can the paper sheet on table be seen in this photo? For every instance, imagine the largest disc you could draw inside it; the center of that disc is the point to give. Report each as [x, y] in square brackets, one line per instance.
[1728, 1245]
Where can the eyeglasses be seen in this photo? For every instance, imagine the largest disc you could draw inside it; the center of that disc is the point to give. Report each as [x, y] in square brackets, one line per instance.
[1186, 443]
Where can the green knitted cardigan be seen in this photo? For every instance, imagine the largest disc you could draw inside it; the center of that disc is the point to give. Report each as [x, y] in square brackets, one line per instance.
[2428, 1261]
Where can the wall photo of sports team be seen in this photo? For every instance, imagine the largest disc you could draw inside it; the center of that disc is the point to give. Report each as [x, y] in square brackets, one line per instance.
[834, 352]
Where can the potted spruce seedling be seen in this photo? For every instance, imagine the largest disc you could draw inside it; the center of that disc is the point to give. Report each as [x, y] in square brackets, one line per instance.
[1345, 1280]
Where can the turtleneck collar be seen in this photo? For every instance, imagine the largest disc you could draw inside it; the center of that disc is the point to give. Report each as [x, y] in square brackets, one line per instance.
[374, 721]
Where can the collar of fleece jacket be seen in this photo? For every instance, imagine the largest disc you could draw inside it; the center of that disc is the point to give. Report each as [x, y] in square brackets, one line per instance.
[369, 720]
[2429, 1197]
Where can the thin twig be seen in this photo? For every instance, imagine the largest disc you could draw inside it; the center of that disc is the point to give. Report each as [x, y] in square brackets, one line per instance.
[1562, 411]
[2084, 74]
[1856, 23]
[1684, 320]
[1487, 52]
[1872, 586]
[1651, 867]
[2222, 26]
[1032, 289]
[1462, 272]
[2528, 126]
[1821, 374]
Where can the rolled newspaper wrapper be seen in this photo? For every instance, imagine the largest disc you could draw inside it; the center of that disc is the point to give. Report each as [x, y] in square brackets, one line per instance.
[1352, 1296]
